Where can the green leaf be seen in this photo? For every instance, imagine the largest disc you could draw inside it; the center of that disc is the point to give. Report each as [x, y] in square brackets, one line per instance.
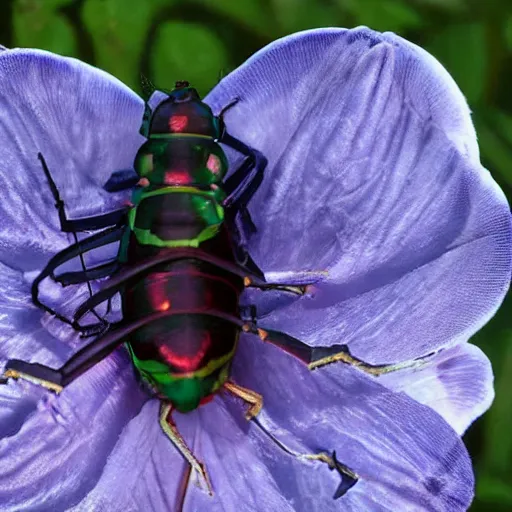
[384, 15]
[462, 50]
[187, 51]
[296, 15]
[494, 132]
[448, 5]
[38, 24]
[119, 31]
[497, 452]
[508, 32]
[493, 491]
[249, 13]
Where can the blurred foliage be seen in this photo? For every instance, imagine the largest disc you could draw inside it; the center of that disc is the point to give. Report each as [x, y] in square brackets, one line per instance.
[199, 39]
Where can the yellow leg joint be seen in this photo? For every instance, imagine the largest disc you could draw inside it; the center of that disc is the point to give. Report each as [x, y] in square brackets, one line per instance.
[171, 431]
[247, 395]
[13, 374]
[375, 370]
[329, 460]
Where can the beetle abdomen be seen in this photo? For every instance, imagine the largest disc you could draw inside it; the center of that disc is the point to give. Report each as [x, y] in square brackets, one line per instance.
[186, 357]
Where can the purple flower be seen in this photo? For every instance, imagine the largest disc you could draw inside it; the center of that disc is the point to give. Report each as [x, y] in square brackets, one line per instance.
[373, 176]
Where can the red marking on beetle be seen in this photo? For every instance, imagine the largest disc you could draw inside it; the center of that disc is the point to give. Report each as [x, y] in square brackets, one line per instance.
[208, 299]
[165, 305]
[176, 177]
[178, 123]
[188, 362]
[206, 399]
[213, 163]
[157, 294]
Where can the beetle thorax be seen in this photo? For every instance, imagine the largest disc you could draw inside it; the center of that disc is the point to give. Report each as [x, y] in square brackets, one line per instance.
[190, 116]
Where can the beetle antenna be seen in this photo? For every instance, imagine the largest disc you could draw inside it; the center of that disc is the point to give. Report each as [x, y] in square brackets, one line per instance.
[231, 104]
[147, 86]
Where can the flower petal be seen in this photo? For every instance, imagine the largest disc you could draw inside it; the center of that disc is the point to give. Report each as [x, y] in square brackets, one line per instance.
[374, 176]
[74, 115]
[22, 334]
[142, 472]
[407, 457]
[156, 483]
[233, 452]
[457, 383]
[84, 122]
[58, 454]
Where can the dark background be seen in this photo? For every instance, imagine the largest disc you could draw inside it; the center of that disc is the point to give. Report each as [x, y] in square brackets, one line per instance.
[202, 40]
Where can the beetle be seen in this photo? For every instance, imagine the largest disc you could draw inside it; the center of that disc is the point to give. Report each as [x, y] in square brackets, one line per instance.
[182, 265]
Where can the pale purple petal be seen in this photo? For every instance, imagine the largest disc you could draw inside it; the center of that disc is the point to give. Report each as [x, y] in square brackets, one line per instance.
[86, 125]
[394, 257]
[84, 122]
[374, 176]
[59, 452]
[143, 472]
[457, 383]
[408, 458]
[406, 455]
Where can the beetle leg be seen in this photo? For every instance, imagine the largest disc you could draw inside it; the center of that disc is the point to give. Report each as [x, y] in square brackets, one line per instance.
[240, 188]
[34, 373]
[72, 226]
[375, 370]
[255, 400]
[87, 357]
[171, 431]
[297, 289]
[231, 104]
[91, 274]
[348, 477]
[79, 363]
[316, 357]
[297, 283]
[95, 241]
[85, 223]
[121, 180]
[243, 183]
[100, 348]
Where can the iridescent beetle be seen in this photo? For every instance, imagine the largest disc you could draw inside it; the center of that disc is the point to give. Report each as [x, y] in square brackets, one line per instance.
[182, 266]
